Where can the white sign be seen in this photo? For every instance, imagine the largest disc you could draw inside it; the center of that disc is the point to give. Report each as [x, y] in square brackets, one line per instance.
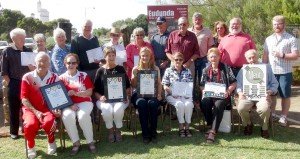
[136, 60]
[183, 89]
[254, 81]
[94, 54]
[115, 87]
[27, 58]
[215, 90]
[121, 57]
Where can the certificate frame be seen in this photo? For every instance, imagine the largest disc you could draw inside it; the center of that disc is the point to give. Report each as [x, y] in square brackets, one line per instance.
[123, 89]
[214, 90]
[154, 76]
[46, 92]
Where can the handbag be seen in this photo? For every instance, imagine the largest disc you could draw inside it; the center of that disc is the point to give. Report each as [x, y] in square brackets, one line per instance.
[225, 125]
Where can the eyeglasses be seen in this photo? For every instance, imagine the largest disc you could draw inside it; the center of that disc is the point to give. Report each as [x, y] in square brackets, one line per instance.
[182, 24]
[178, 59]
[139, 35]
[159, 23]
[71, 63]
[115, 35]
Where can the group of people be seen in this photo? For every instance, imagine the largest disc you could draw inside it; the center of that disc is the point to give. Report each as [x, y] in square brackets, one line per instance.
[182, 55]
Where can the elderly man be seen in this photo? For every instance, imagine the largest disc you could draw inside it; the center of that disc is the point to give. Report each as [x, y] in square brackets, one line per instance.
[183, 41]
[158, 42]
[36, 114]
[12, 72]
[82, 43]
[205, 41]
[280, 49]
[234, 45]
[263, 105]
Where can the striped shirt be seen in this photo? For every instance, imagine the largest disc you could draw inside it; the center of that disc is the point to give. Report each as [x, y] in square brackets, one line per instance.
[286, 44]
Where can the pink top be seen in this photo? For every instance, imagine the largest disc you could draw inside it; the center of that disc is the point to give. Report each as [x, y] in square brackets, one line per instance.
[233, 48]
[133, 50]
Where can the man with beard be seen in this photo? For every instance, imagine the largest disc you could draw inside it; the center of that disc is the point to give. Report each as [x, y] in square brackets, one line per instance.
[280, 49]
[234, 45]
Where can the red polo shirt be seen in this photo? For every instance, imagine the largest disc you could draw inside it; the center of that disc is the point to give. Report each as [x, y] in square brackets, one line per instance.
[187, 44]
[233, 48]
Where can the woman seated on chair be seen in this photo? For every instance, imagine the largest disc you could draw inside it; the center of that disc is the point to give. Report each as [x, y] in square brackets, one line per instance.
[113, 112]
[147, 106]
[213, 108]
[80, 88]
[184, 105]
[36, 114]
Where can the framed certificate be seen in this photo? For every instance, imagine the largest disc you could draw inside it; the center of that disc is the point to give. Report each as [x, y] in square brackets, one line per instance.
[115, 88]
[183, 89]
[147, 83]
[56, 95]
[255, 81]
[214, 90]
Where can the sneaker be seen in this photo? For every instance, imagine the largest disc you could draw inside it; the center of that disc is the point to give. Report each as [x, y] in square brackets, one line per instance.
[51, 148]
[14, 137]
[282, 121]
[31, 153]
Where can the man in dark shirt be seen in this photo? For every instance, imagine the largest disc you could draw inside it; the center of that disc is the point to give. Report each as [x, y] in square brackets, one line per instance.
[82, 43]
[185, 42]
[12, 72]
[158, 42]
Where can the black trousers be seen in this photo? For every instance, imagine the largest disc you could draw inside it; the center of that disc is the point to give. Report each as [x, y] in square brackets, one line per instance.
[213, 110]
[14, 90]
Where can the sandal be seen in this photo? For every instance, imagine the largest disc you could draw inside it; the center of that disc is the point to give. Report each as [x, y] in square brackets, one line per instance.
[182, 133]
[188, 133]
[211, 137]
[92, 147]
[75, 149]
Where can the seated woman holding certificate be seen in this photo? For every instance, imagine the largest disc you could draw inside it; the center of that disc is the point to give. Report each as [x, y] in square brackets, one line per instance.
[183, 103]
[217, 84]
[147, 105]
[80, 89]
[36, 113]
[111, 93]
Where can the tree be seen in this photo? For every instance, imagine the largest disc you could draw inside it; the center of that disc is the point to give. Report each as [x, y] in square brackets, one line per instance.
[32, 26]
[8, 21]
[141, 21]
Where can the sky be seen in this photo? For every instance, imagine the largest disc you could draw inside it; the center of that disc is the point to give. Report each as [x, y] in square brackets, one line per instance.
[102, 12]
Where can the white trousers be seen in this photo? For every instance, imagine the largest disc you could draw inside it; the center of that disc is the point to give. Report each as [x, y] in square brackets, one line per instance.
[184, 108]
[83, 115]
[112, 113]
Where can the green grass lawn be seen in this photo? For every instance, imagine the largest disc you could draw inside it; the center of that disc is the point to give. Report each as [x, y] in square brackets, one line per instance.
[285, 144]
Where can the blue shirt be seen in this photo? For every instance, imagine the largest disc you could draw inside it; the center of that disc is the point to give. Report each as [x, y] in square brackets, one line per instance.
[57, 58]
[272, 83]
[159, 43]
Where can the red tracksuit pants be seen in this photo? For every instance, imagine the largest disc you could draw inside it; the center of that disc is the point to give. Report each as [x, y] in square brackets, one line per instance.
[32, 125]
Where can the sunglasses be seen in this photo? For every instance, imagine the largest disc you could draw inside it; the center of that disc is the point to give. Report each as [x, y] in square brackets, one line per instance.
[139, 35]
[115, 35]
[178, 59]
[71, 63]
[159, 23]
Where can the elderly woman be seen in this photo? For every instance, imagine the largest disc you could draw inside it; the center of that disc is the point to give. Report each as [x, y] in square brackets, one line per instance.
[12, 72]
[115, 34]
[60, 51]
[80, 88]
[184, 105]
[133, 49]
[36, 114]
[213, 108]
[147, 107]
[221, 30]
[40, 40]
[111, 112]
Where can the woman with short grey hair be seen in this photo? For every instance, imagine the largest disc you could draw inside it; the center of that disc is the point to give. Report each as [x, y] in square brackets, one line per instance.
[59, 51]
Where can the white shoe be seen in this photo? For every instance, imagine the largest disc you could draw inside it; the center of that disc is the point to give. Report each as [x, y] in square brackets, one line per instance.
[282, 121]
[31, 153]
[51, 148]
